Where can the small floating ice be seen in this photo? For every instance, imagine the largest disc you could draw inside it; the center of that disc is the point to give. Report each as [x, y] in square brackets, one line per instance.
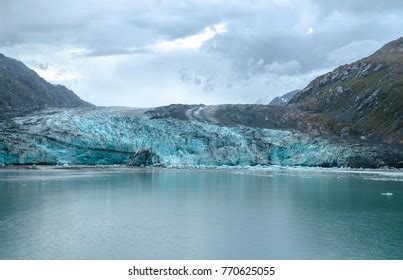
[387, 193]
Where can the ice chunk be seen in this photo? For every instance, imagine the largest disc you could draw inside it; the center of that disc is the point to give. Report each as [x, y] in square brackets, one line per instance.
[387, 193]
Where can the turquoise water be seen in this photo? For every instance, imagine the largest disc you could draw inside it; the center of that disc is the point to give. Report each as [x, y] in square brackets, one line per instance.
[200, 214]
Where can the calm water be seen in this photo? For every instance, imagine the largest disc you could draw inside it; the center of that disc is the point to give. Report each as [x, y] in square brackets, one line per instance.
[179, 214]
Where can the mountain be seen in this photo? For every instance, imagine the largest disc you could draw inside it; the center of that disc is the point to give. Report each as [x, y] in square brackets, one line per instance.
[277, 101]
[364, 98]
[349, 117]
[283, 100]
[22, 88]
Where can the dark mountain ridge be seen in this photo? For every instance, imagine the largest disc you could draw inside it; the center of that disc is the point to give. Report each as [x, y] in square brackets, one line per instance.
[21, 89]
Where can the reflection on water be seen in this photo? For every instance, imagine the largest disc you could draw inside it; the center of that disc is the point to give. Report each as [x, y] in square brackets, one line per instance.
[184, 214]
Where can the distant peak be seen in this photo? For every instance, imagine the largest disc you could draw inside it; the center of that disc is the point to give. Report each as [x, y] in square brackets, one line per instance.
[391, 50]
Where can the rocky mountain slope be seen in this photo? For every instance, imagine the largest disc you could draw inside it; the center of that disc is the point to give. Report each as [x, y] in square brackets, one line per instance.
[362, 99]
[21, 88]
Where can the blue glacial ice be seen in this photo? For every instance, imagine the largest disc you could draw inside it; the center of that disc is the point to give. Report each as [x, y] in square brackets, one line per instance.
[106, 136]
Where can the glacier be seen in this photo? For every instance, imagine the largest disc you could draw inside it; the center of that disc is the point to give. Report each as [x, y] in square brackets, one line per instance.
[127, 136]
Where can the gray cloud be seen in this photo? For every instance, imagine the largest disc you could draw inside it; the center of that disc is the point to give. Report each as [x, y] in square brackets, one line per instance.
[114, 51]
[110, 48]
[43, 66]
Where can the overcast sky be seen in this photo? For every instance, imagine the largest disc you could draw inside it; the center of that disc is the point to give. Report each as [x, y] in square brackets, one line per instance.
[150, 53]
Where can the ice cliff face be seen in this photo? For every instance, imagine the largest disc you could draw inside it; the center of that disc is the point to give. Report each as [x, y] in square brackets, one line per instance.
[100, 136]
